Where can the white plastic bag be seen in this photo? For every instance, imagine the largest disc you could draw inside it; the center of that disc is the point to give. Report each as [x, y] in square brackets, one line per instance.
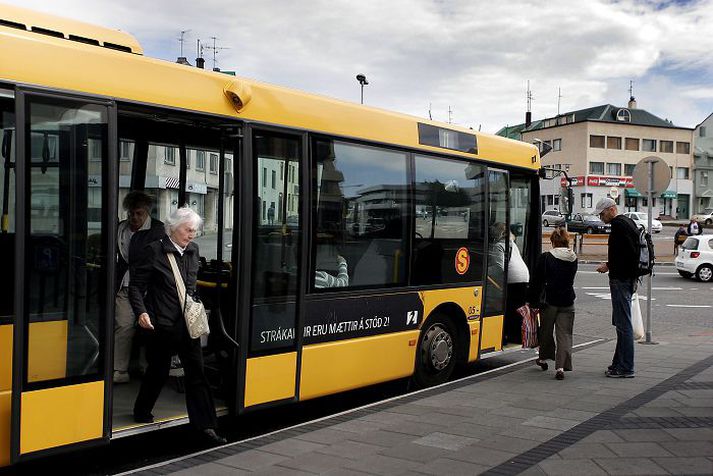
[637, 323]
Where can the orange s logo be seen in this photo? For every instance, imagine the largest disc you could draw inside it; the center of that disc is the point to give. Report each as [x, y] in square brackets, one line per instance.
[462, 260]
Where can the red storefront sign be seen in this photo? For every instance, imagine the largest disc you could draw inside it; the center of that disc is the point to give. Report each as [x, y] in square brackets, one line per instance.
[600, 181]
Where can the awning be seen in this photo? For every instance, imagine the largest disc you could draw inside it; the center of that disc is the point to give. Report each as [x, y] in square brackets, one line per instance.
[669, 194]
[632, 192]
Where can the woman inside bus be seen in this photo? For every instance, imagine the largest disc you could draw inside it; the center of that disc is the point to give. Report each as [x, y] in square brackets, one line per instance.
[330, 265]
[154, 298]
[552, 291]
[518, 279]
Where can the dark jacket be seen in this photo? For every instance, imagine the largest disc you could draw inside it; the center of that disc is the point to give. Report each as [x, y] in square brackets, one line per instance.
[552, 282]
[152, 287]
[138, 241]
[623, 260]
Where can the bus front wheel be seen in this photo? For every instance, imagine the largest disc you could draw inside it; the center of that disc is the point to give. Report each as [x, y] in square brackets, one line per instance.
[436, 353]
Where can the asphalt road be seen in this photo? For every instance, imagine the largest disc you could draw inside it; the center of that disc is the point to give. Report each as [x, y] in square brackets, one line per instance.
[677, 303]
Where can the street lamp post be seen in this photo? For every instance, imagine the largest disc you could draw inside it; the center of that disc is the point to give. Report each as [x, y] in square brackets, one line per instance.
[362, 81]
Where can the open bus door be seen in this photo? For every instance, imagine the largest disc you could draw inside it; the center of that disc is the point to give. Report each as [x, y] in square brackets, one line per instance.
[64, 273]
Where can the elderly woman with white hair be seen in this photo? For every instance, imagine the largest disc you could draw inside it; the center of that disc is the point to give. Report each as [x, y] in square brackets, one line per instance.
[155, 300]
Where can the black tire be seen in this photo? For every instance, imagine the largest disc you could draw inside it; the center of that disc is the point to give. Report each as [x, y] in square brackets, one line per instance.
[590, 231]
[704, 273]
[545, 223]
[437, 352]
[709, 222]
[685, 274]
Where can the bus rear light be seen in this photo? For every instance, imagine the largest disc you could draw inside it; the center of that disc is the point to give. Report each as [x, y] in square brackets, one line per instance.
[412, 342]
[695, 254]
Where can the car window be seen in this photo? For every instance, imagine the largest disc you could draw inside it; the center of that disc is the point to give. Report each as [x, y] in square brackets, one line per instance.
[690, 244]
[710, 244]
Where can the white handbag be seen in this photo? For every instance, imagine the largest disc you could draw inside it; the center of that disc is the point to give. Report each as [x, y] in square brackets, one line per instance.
[193, 311]
[637, 322]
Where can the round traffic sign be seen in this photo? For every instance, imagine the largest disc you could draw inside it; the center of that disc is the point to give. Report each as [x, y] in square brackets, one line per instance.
[661, 175]
[614, 192]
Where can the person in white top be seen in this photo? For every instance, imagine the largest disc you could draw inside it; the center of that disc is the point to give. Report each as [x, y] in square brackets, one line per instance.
[518, 278]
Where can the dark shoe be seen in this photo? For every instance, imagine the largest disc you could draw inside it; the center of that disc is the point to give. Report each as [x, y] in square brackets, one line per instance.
[616, 373]
[543, 364]
[213, 437]
[611, 367]
[143, 418]
[559, 375]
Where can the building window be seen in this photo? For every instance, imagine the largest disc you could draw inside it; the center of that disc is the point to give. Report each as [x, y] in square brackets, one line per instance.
[264, 177]
[648, 145]
[596, 142]
[614, 143]
[632, 143]
[596, 167]
[586, 200]
[188, 160]
[169, 156]
[274, 180]
[613, 169]
[683, 147]
[629, 169]
[682, 173]
[557, 144]
[213, 163]
[125, 152]
[704, 178]
[702, 131]
[666, 146]
[200, 160]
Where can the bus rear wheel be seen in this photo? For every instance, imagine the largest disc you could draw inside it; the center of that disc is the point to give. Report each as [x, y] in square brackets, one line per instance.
[436, 353]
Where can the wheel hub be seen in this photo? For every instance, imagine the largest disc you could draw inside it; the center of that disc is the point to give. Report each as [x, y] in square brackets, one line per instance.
[705, 274]
[439, 348]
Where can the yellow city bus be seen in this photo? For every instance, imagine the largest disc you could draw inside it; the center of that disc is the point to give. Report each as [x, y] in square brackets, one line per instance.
[343, 245]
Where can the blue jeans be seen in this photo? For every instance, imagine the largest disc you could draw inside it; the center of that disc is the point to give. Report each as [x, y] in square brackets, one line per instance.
[621, 291]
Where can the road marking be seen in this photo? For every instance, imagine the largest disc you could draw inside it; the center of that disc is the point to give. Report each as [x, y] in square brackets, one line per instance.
[607, 296]
[687, 305]
[653, 288]
[657, 273]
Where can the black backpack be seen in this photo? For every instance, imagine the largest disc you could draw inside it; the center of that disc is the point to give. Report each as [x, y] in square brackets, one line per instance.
[647, 258]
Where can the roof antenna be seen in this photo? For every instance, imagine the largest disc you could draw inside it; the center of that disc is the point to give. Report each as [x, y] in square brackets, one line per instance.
[182, 59]
[528, 114]
[216, 49]
[559, 96]
[450, 115]
[429, 111]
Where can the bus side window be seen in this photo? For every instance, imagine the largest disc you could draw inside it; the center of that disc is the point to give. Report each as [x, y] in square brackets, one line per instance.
[449, 221]
[360, 216]
[7, 195]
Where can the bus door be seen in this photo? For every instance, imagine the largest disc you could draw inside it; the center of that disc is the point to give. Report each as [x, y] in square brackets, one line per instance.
[497, 257]
[63, 273]
[272, 237]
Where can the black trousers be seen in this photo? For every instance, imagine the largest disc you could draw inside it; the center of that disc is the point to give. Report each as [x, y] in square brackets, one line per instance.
[161, 346]
[517, 294]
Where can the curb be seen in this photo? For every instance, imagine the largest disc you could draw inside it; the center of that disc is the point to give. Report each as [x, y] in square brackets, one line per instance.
[593, 261]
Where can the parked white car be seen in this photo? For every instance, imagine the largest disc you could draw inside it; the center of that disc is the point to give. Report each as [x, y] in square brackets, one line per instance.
[552, 217]
[706, 216]
[642, 220]
[696, 258]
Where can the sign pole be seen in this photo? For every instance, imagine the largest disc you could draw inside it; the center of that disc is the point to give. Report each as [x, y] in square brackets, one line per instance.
[650, 192]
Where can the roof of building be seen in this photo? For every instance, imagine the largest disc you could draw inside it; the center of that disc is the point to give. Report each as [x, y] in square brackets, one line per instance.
[603, 113]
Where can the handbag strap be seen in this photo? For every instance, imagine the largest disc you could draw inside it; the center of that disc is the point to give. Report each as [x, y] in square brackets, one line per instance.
[180, 286]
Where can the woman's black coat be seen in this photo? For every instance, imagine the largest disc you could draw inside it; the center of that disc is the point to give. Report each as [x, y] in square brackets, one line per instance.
[152, 288]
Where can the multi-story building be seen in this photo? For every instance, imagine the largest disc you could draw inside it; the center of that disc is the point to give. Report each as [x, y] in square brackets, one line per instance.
[599, 146]
[703, 164]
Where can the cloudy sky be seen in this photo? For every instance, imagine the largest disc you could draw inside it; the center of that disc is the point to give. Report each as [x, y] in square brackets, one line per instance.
[472, 56]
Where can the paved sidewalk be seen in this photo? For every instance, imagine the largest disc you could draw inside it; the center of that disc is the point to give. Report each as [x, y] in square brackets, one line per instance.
[518, 420]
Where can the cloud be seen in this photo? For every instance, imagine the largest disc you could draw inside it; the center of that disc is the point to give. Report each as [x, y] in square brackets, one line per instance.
[474, 57]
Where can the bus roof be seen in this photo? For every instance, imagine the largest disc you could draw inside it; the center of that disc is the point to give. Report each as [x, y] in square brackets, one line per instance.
[94, 68]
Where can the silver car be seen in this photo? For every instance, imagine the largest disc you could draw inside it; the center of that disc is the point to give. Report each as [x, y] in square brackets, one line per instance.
[552, 217]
